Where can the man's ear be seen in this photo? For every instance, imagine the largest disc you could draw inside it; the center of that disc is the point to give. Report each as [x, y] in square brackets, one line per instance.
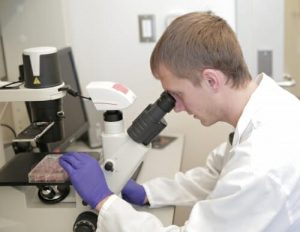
[213, 78]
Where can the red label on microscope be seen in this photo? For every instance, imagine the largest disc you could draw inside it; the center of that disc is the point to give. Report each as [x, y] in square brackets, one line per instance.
[120, 88]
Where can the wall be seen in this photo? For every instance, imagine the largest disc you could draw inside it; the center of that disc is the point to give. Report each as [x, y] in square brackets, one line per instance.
[2, 64]
[260, 27]
[292, 46]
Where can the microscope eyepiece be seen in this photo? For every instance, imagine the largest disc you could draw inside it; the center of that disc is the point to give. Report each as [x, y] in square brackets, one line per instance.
[151, 122]
[166, 102]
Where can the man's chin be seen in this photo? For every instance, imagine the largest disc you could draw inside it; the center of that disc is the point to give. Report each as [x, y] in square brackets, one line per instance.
[205, 122]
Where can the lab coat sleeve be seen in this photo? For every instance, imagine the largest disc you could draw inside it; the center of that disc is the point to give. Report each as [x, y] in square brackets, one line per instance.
[119, 216]
[232, 207]
[190, 187]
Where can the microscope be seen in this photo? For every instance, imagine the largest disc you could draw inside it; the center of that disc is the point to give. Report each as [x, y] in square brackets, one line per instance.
[123, 150]
[41, 92]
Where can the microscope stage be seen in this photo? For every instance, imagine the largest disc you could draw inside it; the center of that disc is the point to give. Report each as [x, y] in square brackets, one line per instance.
[15, 172]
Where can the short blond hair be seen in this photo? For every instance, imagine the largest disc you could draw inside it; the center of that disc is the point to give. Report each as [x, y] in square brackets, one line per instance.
[196, 41]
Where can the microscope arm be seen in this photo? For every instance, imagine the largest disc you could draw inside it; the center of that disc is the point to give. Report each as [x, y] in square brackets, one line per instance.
[119, 168]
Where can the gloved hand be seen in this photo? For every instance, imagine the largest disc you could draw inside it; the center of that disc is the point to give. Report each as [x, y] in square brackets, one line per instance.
[134, 193]
[86, 177]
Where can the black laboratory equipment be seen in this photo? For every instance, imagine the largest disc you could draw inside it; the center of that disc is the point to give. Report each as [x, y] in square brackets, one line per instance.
[41, 71]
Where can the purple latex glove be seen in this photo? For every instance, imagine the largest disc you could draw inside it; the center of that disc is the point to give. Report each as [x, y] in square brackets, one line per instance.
[86, 177]
[134, 193]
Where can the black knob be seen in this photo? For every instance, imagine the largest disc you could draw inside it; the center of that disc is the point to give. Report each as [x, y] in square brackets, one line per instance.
[52, 194]
[86, 222]
[48, 192]
[109, 166]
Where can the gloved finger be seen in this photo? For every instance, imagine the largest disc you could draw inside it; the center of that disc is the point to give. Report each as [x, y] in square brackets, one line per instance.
[83, 157]
[72, 160]
[75, 154]
[66, 166]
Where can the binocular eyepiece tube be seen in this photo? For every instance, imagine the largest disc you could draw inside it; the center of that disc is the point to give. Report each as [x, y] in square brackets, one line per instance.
[151, 122]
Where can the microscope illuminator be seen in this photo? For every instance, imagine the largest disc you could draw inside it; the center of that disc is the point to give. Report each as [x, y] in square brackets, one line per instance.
[42, 80]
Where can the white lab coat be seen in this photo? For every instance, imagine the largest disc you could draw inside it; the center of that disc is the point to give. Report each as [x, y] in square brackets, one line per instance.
[253, 185]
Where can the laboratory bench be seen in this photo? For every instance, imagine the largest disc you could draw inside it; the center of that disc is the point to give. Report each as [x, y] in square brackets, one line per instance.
[15, 171]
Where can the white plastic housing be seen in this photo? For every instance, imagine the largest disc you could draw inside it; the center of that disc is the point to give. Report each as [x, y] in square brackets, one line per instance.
[25, 94]
[112, 137]
[110, 95]
[34, 54]
[126, 160]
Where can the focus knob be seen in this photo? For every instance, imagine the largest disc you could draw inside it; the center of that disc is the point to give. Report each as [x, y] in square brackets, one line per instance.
[109, 166]
[86, 222]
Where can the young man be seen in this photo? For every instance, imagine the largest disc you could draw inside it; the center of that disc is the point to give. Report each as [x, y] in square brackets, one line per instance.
[251, 183]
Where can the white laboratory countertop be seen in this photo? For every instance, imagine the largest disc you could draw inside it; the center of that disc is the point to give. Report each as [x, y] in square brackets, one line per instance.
[163, 163]
[157, 163]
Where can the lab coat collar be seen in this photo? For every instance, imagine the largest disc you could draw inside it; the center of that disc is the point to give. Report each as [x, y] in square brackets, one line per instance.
[256, 102]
